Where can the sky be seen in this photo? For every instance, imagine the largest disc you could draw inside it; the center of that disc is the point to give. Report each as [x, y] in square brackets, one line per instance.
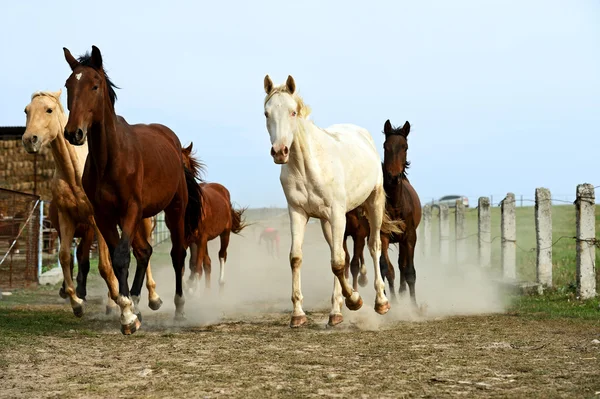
[502, 96]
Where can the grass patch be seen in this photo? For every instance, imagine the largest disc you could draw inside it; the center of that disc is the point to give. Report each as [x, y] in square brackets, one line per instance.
[555, 305]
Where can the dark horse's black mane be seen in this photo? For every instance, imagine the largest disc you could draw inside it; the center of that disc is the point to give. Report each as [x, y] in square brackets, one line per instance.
[397, 131]
[86, 60]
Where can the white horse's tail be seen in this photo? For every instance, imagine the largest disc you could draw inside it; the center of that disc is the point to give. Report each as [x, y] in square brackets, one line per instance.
[388, 225]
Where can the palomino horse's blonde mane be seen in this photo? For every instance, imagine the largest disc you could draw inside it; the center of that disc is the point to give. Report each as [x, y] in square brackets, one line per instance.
[303, 109]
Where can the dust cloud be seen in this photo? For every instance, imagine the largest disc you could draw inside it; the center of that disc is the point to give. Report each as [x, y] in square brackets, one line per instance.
[257, 283]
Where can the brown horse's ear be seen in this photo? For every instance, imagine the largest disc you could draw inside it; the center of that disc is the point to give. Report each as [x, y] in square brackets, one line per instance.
[406, 129]
[268, 84]
[290, 84]
[73, 63]
[387, 127]
[96, 58]
[188, 149]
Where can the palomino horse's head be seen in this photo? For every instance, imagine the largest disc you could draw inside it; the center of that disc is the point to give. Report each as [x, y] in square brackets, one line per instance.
[395, 148]
[89, 91]
[283, 108]
[45, 118]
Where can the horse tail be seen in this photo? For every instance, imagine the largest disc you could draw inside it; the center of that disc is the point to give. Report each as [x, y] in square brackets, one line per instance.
[193, 211]
[238, 222]
[390, 226]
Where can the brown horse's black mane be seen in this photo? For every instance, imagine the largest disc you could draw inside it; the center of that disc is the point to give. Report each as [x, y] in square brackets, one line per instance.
[86, 60]
[398, 131]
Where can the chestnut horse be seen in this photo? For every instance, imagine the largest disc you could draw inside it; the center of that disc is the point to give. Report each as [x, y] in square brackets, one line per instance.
[219, 219]
[357, 227]
[132, 172]
[403, 203]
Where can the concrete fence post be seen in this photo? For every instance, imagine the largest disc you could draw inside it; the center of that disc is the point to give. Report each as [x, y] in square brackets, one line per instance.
[425, 240]
[444, 234]
[508, 225]
[586, 235]
[484, 232]
[543, 234]
[460, 252]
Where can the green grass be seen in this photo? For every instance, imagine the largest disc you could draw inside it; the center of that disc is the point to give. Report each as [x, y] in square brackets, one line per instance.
[555, 305]
[563, 252]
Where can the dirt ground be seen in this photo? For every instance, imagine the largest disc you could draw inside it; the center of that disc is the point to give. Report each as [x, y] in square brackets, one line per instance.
[238, 343]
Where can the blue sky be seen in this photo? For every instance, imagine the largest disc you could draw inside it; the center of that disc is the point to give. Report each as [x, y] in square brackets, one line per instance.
[501, 95]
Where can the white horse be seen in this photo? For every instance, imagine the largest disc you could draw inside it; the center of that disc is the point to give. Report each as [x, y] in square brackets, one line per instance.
[324, 174]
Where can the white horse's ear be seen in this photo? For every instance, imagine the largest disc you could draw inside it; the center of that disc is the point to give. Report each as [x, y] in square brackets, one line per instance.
[387, 127]
[268, 84]
[290, 84]
[406, 129]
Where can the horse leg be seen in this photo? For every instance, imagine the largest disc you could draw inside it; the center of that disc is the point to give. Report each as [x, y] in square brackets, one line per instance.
[201, 265]
[359, 247]
[387, 267]
[346, 253]
[154, 301]
[142, 250]
[402, 263]
[67, 229]
[376, 205]
[105, 267]
[193, 266]
[83, 262]
[337, 299]
[362, 278]
[175, 219]
[338, 226]
[223, 257]
[298, 220]
[411, 274]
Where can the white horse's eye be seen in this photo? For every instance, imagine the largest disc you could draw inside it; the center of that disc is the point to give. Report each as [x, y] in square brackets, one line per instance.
[293, 113]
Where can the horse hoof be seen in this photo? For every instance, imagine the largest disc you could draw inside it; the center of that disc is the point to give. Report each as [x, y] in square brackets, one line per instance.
[78, 310]
[382, 308]
[363, 280]
[354, 305]
[179, 318]
[138, 314]
[155, 304]
[62, 293]
[335, 319]
[131, 327]
[298, 321]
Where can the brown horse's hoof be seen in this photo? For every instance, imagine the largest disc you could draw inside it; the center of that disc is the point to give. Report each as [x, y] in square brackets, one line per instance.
[78, 310]
[131, 327]
[155, 304]
[354, 306]
[363, 280]
[298, 321]
[335, 319]
[382, 308]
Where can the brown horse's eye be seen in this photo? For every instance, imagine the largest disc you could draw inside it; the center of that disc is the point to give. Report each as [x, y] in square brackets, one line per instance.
[95, 88]
[49, 111]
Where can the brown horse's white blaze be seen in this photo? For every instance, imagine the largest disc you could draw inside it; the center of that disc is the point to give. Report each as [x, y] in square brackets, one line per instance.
[132, 172]
[324, 174]
[70, 212]
[218, 219]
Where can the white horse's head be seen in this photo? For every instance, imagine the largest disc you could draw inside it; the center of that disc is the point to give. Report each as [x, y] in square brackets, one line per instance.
[45, 117]
[283, 109]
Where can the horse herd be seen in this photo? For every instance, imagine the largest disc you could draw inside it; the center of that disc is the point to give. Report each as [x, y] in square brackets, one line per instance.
[127, 174]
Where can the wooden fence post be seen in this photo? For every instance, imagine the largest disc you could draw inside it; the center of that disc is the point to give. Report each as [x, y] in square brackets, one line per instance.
[509, 237]
[426, 239]
[586, 236]
[444, 234]
[484, 232]
[543, 234]
[459, 232]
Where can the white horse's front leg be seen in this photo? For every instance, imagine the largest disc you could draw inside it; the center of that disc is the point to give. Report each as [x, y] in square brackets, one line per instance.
[376, 203]
[298, 220]
[338, 259]
[337, 299]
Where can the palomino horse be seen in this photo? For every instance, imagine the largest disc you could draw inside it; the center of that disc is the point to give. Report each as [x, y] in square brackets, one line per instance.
[219, 219]
[325, 173]
[70, 211]
[357, 227]
[132, 172]
[271, 237]
[403, 203]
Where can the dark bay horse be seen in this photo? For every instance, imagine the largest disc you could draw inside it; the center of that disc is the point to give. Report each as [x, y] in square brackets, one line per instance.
[132, 172]
[219, 219]
[357, 227]
[403, 203]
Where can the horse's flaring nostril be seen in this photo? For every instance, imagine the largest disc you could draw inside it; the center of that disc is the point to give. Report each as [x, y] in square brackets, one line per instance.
[34, 139]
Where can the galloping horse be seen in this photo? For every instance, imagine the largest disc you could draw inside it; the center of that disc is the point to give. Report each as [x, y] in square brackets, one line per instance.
[271, 237]
[132, 172]
[357, 227]
[219, 219]
[70, 211]
[403, 204]
[326, 173]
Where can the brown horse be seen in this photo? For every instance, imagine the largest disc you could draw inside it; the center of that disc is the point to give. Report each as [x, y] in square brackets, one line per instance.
[219, 219]
[357, 227]
[132, 172]
[402, 204]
